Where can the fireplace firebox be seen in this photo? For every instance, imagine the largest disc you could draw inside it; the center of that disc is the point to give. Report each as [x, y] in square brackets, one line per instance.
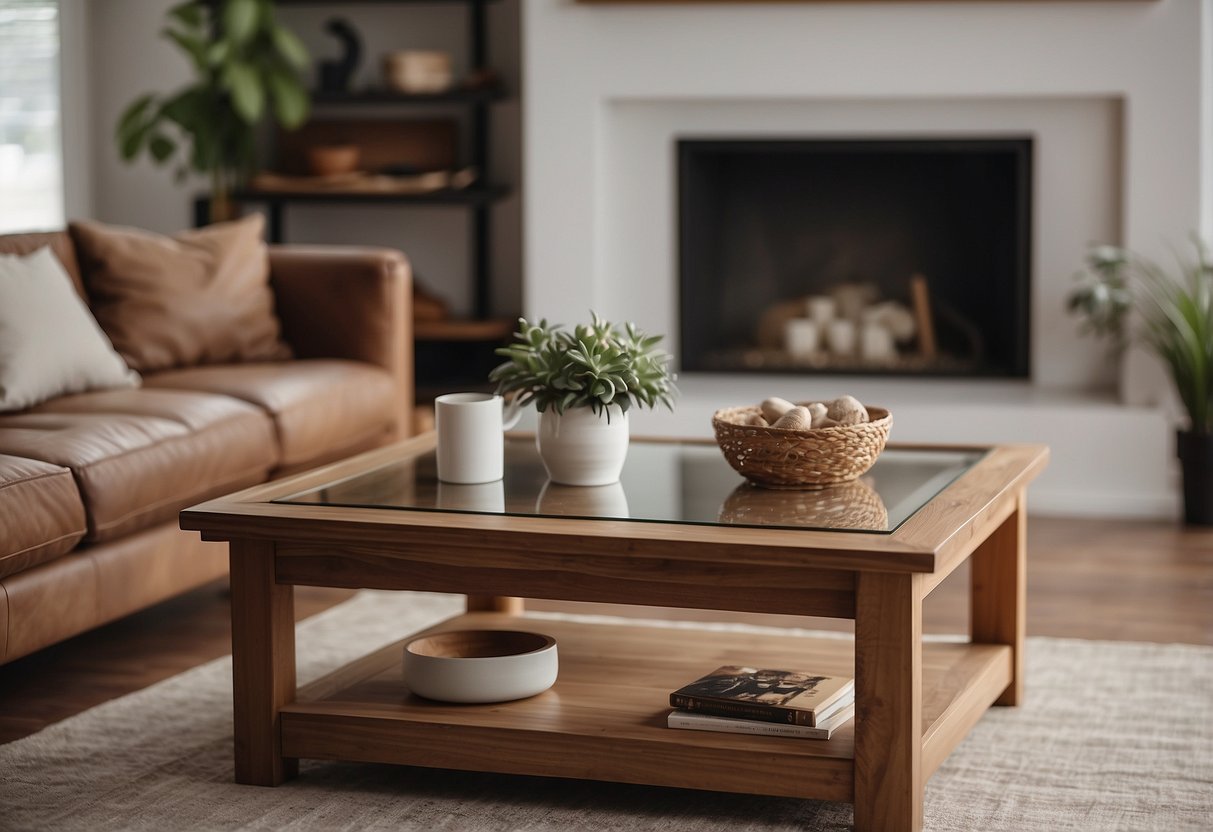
[885, 257]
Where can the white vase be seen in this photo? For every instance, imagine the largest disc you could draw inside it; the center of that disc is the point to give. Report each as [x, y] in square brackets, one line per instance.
[579, 447]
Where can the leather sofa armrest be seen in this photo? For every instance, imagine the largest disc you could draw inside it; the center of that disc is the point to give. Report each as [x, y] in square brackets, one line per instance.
[352, 303]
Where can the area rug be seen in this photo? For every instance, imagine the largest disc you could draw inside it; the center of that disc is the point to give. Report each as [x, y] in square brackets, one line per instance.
[1113, 736]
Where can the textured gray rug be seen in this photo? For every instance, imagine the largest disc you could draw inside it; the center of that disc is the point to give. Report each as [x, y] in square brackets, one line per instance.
[1114, 736]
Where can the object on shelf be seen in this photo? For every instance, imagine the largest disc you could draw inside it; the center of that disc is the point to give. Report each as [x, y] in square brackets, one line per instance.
[480, 666]
[428, 306]
[326, 160]
[419, 144]
[335, 75]
[481, 79]
[418, 71]
[422, 183]
[689, 721]
[792, 697]
[463, 329]
[800, 459]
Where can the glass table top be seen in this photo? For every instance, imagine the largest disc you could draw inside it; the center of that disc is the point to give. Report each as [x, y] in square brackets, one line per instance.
[662, 482]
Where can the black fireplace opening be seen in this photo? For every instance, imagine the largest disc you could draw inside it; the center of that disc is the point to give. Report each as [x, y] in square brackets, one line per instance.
[884, 257]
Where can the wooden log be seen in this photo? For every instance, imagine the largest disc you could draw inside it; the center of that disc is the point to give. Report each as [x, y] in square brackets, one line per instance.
[920, 301]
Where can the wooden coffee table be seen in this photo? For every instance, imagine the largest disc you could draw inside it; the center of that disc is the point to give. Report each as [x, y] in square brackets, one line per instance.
[381, 521]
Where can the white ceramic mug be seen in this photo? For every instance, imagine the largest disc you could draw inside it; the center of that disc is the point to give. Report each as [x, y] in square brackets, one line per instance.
[471, 448]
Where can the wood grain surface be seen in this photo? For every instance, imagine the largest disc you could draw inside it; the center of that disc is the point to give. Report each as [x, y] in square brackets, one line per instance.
[605, 717]
[263, 663]
[1095, 578]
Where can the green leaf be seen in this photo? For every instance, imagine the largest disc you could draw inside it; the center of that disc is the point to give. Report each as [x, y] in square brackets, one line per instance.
[289, 47]
[248, 96]
[161, 147]
[240, 20]
[133, 126]
[193, 46]
[218, 52]
[291, 102]
[191, 14]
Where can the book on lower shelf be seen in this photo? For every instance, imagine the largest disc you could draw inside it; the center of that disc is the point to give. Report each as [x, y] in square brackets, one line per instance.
[691, 721]
[790, 697]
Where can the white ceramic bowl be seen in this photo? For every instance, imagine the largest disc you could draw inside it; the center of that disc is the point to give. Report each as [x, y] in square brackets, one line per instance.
[479, 666]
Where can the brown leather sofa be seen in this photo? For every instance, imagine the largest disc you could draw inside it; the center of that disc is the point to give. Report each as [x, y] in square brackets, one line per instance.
[91, 484]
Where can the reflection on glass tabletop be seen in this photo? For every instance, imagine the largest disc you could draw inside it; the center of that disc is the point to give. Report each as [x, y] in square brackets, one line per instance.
[662, 482]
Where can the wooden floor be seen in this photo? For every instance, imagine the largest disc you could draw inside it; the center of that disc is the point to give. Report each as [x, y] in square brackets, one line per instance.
[1119, 580]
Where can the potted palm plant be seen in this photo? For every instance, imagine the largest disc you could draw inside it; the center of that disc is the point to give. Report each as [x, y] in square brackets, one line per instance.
[246, 66]
[1176, 323]
[584, 382]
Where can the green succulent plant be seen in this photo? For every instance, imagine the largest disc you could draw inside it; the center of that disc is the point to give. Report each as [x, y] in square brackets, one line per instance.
[246, 66]
[1176, 317]
[596, 365]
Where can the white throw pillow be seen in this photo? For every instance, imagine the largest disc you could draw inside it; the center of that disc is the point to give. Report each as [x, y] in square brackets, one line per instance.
[50, 344]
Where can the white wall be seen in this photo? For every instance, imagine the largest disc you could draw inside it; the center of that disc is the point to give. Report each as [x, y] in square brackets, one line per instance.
[129, 58]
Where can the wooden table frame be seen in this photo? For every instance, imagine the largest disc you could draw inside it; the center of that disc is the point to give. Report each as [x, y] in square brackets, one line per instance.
[901, 733]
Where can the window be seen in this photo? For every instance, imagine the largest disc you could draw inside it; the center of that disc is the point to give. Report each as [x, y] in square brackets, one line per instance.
[31, 167]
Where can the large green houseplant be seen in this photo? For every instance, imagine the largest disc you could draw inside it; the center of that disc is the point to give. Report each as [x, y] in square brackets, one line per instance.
[1175, 321]
[246, 66]
[584, 382]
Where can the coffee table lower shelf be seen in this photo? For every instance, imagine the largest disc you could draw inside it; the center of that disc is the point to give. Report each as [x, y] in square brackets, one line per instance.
[605, 717]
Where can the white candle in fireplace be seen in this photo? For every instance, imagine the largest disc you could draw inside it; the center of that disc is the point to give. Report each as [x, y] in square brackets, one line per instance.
[876, 343]
[841, 337]
[801, 337]
[821, 309]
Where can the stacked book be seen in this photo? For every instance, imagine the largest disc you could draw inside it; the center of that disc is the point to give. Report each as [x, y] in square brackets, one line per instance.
[780, 703]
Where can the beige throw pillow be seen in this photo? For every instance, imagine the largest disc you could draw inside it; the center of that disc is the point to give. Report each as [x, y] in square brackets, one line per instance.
[50, 345]
[197, 297]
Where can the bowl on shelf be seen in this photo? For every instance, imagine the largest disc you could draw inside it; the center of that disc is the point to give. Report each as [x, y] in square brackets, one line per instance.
[333, 159]
[800, 459]
[480, 666]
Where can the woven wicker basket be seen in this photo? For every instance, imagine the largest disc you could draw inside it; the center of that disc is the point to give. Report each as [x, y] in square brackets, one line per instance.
[800, 459]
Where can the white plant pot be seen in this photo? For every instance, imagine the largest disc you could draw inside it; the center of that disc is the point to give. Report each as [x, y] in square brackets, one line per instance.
[580, 448]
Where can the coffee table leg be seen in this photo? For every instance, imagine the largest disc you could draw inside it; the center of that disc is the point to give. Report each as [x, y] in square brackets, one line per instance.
[998, 593]
[496, 603]
[888, 702]
[263, 663]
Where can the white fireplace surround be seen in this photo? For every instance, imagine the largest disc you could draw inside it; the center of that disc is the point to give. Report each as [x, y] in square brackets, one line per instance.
[1117, 96]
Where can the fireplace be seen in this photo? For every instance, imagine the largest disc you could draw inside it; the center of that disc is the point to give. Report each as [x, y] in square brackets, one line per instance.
[883, 257]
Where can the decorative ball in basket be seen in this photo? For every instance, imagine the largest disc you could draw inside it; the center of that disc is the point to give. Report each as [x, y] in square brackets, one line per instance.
[804, 446]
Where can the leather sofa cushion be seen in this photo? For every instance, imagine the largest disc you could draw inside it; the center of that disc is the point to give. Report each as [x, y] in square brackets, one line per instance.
[198, 297]
[61, 245]
[41, 514]
[322, 409]
[140, 456]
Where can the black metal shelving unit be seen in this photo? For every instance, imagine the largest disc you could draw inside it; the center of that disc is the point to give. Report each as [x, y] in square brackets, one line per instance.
[478, 198]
